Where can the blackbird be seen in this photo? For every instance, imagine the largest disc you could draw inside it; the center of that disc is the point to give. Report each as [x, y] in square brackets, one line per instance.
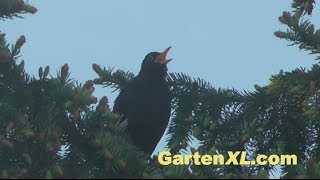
[146, 102]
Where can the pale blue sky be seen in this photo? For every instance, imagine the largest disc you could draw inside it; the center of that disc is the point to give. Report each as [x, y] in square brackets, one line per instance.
[228, 43]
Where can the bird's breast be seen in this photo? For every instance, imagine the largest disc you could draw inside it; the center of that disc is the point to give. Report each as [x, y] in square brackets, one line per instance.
[150, 101]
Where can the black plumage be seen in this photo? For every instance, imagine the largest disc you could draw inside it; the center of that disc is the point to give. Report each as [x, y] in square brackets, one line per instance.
[146, 102]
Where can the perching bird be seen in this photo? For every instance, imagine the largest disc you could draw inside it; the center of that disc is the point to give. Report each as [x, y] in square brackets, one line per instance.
[146, 102]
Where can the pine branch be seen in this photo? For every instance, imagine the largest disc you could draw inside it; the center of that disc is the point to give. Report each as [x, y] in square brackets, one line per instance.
[196, 106]
[15, 8]
[300, 31]
[303, 7]
[109, 78]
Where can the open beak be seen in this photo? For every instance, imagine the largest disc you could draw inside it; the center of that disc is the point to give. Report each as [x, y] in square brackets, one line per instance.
[162, 58]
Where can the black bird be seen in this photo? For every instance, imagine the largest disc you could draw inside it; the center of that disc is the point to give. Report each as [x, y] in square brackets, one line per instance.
[146, 102]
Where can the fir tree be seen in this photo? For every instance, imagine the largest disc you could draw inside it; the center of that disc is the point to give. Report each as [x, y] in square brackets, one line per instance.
[49, 128]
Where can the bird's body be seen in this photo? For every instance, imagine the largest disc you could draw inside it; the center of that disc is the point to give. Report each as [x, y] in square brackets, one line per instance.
[146, 103]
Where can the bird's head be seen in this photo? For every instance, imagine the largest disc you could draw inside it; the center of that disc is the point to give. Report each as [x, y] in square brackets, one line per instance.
[155, 64]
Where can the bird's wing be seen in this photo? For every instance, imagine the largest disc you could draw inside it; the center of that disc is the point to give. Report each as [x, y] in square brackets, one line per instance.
[121, 102]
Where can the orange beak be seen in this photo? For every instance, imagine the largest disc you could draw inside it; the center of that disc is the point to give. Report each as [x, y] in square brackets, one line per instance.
[162, 58]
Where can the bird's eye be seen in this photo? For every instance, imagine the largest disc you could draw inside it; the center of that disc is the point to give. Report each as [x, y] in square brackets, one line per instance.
[150, 58]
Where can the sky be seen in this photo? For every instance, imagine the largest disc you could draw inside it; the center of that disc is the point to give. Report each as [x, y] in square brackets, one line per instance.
[227, 43]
